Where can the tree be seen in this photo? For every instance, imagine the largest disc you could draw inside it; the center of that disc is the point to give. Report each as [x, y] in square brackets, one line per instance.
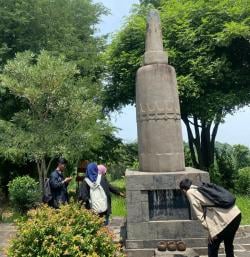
[61, 27]
[208, 44]
[155, 3]
[225, 165]
[241, 154]
[62, 118]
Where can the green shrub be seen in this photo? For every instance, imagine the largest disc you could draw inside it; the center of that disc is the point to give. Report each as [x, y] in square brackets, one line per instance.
[243, 181]
[24, 193]
[70, 231]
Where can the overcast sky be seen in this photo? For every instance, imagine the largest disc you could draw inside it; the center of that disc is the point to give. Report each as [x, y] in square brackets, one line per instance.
[235, 130]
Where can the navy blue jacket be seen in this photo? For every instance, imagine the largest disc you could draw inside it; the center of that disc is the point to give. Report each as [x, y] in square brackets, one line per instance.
[58, 189]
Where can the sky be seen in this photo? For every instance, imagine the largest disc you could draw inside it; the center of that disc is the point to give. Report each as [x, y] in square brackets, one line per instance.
[235, 129]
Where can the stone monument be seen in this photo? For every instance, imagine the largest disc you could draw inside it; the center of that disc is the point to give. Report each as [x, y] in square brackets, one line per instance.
[156, 208]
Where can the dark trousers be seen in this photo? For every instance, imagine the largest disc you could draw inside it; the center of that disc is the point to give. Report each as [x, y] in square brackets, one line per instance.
[106, 216]
[227, 235]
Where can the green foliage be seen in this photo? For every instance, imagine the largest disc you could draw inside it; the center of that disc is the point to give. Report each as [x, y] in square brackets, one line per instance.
[125, 156]
[225, 165]
[119, 203]
[243, 181]
[208, 44]
[119, 206]
[215, 175]
[155, 3]
[205, 62]
[24, 193]
[70, 231]
[59, 26]
[10, 215]
[187, 155]
[63, 115]
[241, 155]
[243, 202]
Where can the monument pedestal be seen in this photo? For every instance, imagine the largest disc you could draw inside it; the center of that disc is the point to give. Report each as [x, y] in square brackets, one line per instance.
[187, 253]
[157, 210]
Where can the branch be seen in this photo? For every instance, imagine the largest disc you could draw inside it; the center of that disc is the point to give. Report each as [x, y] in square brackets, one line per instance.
[48, 167]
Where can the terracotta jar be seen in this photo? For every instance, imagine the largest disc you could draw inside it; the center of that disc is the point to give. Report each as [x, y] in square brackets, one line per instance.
[162, 246]
[171, 245]
[181, 246]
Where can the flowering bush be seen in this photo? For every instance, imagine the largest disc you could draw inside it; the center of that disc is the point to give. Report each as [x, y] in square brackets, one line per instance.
[24, 193]
[69, 231]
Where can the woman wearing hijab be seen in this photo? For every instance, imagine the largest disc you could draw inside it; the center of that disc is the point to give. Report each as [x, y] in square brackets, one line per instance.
[92, 176]
[102, 169]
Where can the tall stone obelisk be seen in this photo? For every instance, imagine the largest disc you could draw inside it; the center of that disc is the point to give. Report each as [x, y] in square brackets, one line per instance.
[157, 107]
[156, 208]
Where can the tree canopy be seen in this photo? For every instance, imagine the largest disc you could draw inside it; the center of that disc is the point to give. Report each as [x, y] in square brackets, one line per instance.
[62, 115]
[60, 27]
[208, 44]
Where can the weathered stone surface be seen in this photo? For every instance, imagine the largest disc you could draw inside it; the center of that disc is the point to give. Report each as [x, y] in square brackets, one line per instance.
[197, 242]
[139, 252]
[165, 230]
[156, 209]
[138, 180]
[154, 46]
[188, 253]
[157, 107]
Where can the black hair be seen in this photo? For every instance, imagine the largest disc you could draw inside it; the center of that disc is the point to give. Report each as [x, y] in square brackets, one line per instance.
[61, 161]
[185, 184]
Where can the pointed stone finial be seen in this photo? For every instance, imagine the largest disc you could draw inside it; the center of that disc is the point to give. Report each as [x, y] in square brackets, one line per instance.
[154, 52]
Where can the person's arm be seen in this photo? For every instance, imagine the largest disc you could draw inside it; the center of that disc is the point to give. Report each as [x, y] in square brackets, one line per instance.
[55, 182]
[113, 189]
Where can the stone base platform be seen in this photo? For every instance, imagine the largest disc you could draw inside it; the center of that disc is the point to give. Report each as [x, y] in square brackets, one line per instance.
[187, 253]
[144, 228]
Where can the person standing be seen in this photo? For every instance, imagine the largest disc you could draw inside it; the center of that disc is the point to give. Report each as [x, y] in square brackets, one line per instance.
[92, 175]
[59, 184]
[221, 223]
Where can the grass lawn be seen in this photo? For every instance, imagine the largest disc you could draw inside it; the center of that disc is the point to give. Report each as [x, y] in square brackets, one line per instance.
[119, 203]
[243, 203]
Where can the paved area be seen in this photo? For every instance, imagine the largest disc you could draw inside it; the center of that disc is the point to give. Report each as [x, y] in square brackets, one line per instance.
[7, 231]
[242, 240]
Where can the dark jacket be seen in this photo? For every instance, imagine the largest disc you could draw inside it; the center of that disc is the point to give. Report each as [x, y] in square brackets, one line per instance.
[84, 193]
[58, 189]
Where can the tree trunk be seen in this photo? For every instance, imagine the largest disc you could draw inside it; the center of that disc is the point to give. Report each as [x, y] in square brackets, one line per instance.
[191, 142]
[201, 141]
[40, 174]
[43, 171]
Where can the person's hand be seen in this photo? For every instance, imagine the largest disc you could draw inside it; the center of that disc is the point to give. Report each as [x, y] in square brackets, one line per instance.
[68, 179]
[122, 194]
[210, 239]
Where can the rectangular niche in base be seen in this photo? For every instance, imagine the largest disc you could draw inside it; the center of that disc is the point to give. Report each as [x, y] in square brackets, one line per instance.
[168, 204]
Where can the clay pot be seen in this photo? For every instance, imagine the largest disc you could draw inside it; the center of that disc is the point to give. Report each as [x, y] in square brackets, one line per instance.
[181, 246]
[171, 245]
[162, 246]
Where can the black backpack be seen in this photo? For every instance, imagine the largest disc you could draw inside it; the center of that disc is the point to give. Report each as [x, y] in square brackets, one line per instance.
[218, 195]
[47, 194]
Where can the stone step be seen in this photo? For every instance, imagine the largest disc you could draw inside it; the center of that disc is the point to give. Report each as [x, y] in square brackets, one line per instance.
[242, 240]
[139, 252]
[187, 253]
